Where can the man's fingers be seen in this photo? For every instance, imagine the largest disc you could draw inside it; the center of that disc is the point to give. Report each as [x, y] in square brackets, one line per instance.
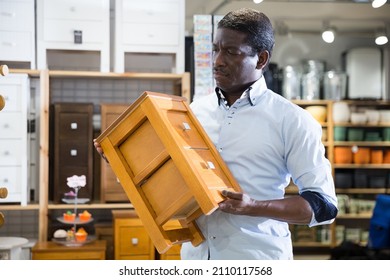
[232, 195]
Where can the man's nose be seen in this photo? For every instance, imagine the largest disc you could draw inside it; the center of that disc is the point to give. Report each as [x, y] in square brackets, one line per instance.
[218, 59]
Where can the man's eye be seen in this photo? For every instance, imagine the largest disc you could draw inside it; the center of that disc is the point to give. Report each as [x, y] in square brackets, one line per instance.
[233, 52]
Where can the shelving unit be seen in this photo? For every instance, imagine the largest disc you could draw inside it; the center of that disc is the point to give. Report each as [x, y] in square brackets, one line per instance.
[368, 193]
[181, 85]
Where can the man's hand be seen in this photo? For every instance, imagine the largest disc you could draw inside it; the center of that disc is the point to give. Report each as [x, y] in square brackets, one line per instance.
[237, 203]
[99, 150]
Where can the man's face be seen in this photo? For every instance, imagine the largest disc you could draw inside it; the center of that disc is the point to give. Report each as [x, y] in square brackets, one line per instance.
[235, 66]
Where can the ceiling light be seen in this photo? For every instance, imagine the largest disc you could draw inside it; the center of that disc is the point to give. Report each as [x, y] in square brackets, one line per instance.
[378, 3]
[328, 35]
[257, 1]
[381, 38]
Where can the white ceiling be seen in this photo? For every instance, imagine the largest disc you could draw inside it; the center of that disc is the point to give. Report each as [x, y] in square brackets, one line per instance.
[348, 16]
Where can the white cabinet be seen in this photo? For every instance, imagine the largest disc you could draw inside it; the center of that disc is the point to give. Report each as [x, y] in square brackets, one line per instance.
[149, 26]
[14, 158]
[73, 25]
[17, 31]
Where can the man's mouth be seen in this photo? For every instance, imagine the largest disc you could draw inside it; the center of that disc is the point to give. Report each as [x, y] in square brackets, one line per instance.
[218, 73]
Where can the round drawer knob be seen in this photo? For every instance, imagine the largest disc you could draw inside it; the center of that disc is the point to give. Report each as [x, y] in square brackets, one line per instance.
[1, 219]
[2, 102]
[3, 192]
[4, 70]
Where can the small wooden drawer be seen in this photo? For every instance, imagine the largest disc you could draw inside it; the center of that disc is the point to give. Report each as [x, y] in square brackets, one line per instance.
[73, 153]
[131, 239]
[74, 125]
[134, 240]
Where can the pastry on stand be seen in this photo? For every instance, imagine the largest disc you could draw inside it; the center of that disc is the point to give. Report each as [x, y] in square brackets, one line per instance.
[75, 236]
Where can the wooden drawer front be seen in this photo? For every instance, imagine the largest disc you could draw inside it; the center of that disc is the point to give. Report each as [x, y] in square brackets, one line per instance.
[60, 255]
[188, 135]
[151, 11]
[63, 31]
[17, 15]
[11, 126]
[10, 177]
[74, 126]
[150, 34]
[75, 9]
[16, 45]
[11, 152]
[73, 153]
[134, 240]
[209, 171]
[135, 257]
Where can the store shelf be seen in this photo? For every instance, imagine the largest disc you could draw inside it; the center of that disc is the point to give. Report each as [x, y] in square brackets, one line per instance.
[92, 206]
[361, 190]
[13, 207]
[362, 166]
[311, 244]
[355, 216]
[362, 143]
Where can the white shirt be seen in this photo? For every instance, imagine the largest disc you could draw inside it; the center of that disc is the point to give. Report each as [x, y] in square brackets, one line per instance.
[264, 142]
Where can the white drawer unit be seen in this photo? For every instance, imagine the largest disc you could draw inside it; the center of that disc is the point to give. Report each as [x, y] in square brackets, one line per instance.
[72, 25]
[149, 26]
[17, 31]
[14, 159]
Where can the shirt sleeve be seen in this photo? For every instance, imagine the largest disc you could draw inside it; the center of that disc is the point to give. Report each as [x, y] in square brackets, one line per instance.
[309, 168]
[323, 210]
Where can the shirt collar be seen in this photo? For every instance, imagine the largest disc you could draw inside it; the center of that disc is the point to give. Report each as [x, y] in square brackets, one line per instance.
[252, 93]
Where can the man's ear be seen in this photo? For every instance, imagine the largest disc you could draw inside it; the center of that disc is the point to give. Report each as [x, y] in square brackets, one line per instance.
[263, 59]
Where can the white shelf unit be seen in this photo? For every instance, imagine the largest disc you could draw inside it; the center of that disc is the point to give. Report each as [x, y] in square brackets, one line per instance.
[149, 27]
[59, 24]
[17, 31]
[14, 159]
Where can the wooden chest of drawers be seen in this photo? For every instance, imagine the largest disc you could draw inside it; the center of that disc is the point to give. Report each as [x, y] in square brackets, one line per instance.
[72, 147]
[131, 240]
[95, 250]
[110, 190]
[167, 165]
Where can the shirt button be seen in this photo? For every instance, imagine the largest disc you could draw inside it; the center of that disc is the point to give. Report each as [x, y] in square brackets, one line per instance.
[220, 149]
[212, 237]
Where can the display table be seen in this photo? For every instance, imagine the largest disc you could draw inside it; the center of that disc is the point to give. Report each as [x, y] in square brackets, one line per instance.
[49, 250]
[11, 247]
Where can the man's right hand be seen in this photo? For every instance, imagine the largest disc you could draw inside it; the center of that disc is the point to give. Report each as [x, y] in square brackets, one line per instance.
[99, 149]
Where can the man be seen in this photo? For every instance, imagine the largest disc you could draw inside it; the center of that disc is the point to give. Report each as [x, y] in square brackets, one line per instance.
[265, 140]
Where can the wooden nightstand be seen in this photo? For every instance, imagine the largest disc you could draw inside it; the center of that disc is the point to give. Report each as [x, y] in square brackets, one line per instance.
[169, 168]
[131, 240]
